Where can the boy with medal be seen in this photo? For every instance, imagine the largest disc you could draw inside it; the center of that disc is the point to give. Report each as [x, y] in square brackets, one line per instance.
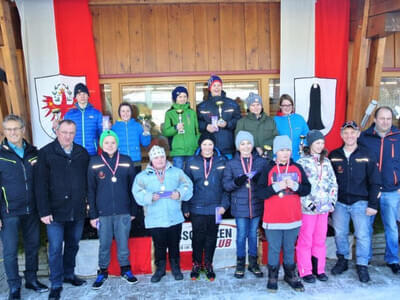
[111, 205]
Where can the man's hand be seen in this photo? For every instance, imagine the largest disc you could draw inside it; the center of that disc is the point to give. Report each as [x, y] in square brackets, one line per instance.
[370, 211]
[47, 219]
[180, 126]
[221, 211]
[175, 195]
[211, 128]
[94, 223]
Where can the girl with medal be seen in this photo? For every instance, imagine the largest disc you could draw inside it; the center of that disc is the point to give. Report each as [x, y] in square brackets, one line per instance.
[311, 248]
[160, 189]
[240, 179]
[111, 205]
[208, 203]
[281, 185]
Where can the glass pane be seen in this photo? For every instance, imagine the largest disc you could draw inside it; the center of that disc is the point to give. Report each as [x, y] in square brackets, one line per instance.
[273, 96]
[151, 102]
[389, 94]
[106, 99]
[237, 91]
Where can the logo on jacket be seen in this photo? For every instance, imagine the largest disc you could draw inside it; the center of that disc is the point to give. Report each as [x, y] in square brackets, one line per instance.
[340, 169]
[101, 175]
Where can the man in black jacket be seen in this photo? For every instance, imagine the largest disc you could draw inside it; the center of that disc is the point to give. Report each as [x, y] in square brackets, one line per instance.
[17, 206]
[61, 191]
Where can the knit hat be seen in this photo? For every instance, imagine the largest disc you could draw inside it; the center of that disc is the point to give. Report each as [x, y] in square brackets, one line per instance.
[282, 142]
[80, 88]
[243, 135]
[253, 98]
[314, 135]
[177, 91]
[156, 151]
[107, 133]
[206, 136]
[213, 79]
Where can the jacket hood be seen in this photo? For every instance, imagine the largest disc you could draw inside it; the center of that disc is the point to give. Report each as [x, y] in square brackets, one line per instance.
[371, 130]
[180, 106]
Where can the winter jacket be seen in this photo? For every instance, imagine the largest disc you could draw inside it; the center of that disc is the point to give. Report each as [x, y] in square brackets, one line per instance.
[16, 181]
[164, 212]
[230, 113]
[386, 152]
[61, 182]
[282, 208]
[324, 188]
[131, 136]
[358, 178]
[263, 129]
[244, 201]
[206, 198]
[294, 126]
[89, 125]
[107, 198]
[183, 144]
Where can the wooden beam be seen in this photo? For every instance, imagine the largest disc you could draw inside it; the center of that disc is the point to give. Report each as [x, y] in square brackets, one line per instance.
[374, 71]
[378, 7]
[383, 24]
[127, 2]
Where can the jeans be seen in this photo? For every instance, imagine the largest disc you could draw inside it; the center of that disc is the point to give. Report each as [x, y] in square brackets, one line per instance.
[114, 226]
[341, 221]
[204, 238]
[166, 238]
[62, 263]
[180, 161]
[389, 203]
[29, 225]
[246, 229]
[278, 239]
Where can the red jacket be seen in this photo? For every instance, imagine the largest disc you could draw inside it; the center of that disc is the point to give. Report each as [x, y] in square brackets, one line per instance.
[282, 209]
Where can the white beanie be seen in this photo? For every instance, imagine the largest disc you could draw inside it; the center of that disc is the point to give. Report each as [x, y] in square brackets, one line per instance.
[156, 151]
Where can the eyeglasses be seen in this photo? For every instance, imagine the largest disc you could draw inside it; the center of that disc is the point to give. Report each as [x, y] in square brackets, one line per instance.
[12, 129]
[286, 105]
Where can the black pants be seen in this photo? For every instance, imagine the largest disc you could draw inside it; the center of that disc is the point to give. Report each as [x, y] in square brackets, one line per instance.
[204, 238]
[166, 238]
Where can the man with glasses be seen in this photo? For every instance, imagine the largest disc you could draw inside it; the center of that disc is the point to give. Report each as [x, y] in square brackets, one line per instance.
[383, 139]
[61, 191]
[17, 206]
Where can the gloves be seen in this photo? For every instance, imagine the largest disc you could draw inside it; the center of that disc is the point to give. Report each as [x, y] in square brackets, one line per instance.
[240, 180]
[256, 177]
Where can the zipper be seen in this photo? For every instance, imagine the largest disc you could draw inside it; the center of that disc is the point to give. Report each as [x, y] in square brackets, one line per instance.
[127, 141]
[83, 127]
[5, 198]
[26, 186]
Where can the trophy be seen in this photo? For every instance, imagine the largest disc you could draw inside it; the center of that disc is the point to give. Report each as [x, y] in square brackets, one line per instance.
[301, 146]
[267, 148]
[180, 112]
[145, 124]
[219, 104]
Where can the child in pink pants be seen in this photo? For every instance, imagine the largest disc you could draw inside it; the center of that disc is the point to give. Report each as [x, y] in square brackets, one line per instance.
[311, 249]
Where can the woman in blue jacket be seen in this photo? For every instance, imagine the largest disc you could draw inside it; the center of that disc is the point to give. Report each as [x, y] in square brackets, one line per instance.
[291, 124]
[131, 135]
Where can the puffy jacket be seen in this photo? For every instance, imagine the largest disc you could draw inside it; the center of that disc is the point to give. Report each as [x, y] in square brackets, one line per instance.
[244, 201]
[294, 126]
[358, 178]
[386, 152]
[16, 181]
[182, 144]
[206, 198]
[263, 129]
[61, 182]
[131, 136]
[164, 212]
[324, 188]
[282, 209]
[107, 198]
[230, 113]
[89, 125]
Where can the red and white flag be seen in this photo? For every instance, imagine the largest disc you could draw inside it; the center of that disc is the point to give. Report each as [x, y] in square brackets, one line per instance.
[314, 58]
[59, 52]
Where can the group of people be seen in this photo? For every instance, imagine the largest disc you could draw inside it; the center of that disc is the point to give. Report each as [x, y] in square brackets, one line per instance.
[273, 172]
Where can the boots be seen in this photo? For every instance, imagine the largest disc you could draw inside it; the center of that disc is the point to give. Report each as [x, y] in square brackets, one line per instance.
[292, 278]
[160, 271]
[341, 265]
[363, 274]
[272, 285]
[176, 268]
[196, 269]
[210, 274]
[253, 266]
[320, 277]
[240, 267]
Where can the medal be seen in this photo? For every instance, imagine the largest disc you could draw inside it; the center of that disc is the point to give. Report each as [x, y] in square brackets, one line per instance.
[280, 194]
[113, 178]
[207, 172]
[248, 185]
[161, 176]
[206, 182]
[162, 188]
[247, 169]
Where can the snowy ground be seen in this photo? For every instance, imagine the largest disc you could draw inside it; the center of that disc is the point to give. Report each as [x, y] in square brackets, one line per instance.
[384, 285]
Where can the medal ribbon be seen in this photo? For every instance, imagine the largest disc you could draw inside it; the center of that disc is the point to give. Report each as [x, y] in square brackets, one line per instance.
[109, 167]
[160, 176]
[207, 172]
[279, 170]
[246, 170]
[319, 170]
